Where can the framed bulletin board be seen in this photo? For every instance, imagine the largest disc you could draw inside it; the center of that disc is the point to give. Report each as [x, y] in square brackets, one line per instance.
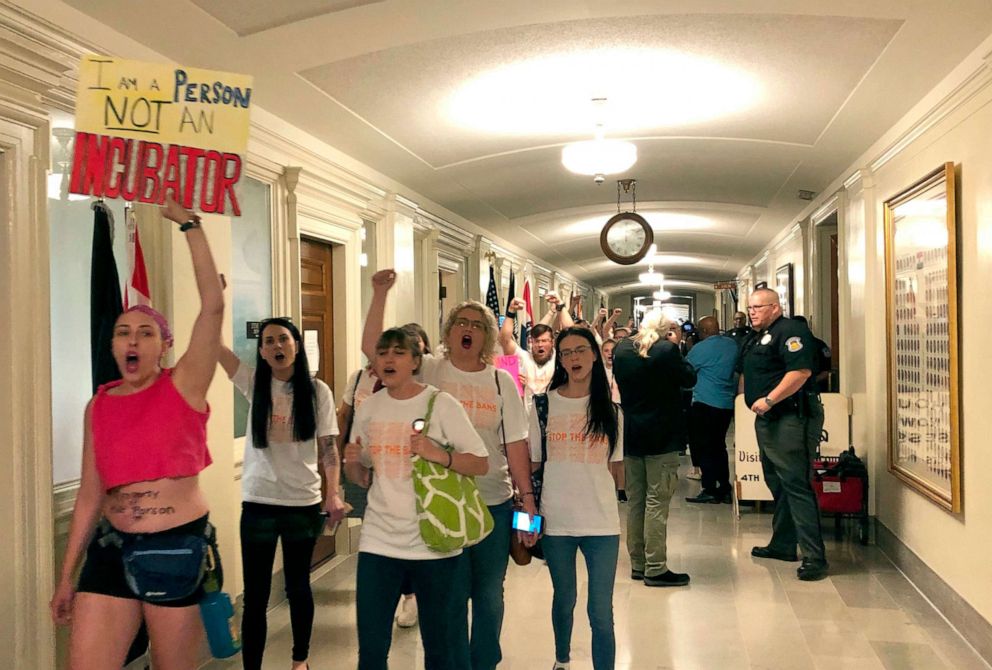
[783, 286]
[922, 325]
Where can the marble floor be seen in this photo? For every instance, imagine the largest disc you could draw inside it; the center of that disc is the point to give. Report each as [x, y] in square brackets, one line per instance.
[738, 612]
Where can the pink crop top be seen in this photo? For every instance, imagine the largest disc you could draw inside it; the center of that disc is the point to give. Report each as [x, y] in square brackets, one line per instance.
[152, 434]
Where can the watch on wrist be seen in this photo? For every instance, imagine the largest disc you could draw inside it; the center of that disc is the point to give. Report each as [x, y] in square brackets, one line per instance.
[193, 222]
[560, 306]
[768, 399]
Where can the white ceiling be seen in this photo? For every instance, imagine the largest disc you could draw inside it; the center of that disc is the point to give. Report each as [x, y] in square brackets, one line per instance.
[808, 85]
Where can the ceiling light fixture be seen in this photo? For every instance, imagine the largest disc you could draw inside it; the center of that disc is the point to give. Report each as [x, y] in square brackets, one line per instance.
[651, 277]
[599, 156]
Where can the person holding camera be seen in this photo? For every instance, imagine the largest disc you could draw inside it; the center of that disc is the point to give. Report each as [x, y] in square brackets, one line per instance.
[582, 437]
[651, 374]
[291, 420]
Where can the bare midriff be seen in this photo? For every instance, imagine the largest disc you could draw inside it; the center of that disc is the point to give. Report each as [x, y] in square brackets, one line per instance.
[148, 507]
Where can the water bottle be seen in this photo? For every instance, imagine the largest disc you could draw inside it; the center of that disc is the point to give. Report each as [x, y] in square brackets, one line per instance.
[218, 619]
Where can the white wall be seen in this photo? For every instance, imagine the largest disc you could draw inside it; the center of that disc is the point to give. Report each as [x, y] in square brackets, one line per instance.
[956, 547]
[952, 123]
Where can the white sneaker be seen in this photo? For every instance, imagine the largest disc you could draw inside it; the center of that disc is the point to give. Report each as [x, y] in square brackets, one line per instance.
[694, 473]
[406, 617]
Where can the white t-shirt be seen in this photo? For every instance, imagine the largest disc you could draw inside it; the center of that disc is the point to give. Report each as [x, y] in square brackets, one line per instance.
[579, 495]
[384, 425]
[485, 406]
[538, 376]
[355, 394]
[285, 472]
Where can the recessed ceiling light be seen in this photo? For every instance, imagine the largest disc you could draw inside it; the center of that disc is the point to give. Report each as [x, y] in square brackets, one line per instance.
[646, 89]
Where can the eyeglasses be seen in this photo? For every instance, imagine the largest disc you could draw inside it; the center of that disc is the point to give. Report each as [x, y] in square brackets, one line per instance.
[578, 351]
[755, 308]
[466, 323]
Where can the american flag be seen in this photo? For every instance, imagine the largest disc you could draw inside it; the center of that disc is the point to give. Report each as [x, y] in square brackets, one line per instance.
[492, 298]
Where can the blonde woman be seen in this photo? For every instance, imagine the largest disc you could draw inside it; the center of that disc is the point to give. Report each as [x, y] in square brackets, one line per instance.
[651, 373]
[490, 398]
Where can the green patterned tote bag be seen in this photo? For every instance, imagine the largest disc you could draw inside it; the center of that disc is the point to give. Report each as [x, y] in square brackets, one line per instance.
[450, 509]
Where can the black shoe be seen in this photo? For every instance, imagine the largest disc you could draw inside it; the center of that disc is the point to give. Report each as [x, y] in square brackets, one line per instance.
[667, 578]
[637, 574]
[812, 570]
[705, 497]
[768, 552]
[621, 495]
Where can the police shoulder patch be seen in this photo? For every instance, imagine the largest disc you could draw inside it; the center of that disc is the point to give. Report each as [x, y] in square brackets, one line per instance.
[794, 344]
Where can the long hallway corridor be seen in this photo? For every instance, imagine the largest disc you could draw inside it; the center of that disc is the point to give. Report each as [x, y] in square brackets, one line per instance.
[738, 613]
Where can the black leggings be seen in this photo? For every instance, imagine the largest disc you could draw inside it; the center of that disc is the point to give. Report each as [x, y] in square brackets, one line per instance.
[261, 527]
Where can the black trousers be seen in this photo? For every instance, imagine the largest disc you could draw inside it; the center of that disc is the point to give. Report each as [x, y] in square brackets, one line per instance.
[787, 446]
[261, 527]
[708, 434]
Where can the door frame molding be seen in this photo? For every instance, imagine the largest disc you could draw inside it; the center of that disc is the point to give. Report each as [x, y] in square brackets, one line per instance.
[25, 419]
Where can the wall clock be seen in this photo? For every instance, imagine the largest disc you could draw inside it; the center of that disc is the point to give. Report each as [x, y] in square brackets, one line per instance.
[626, 238]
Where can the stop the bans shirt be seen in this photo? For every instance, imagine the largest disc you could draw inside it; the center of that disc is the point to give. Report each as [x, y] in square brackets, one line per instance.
[384, 425]
[486, 406]
[579, 495]
[285, 472]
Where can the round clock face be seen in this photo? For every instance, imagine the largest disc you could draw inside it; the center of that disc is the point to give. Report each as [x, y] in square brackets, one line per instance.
[626, 238]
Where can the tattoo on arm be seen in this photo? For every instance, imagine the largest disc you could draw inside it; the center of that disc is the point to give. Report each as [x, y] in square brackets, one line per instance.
[328, 451]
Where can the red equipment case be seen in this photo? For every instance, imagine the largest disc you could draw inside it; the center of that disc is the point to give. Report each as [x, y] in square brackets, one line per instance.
[844, 496]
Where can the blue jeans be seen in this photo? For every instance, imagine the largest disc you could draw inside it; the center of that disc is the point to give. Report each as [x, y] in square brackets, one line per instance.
[379, 583]
[600, 552]
[481, 571]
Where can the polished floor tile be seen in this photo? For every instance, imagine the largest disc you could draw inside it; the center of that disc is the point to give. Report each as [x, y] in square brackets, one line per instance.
[738, 613]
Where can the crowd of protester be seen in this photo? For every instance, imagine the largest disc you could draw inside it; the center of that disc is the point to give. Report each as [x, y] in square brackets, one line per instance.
[597, 417]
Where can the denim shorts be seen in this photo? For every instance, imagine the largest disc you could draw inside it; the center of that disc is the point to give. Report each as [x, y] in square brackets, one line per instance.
[103, 570]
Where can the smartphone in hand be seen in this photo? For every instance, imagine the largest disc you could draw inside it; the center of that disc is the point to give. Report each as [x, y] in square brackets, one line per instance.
[527, 523]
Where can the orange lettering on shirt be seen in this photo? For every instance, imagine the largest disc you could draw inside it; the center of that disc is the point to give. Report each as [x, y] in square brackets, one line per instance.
[389, 446]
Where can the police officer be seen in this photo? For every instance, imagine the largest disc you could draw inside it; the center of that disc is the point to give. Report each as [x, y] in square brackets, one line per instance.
[777, 361]
[741, 330]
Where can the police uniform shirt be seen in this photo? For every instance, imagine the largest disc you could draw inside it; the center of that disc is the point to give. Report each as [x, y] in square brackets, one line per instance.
[740, 334]
[823, 364]
[784, 346]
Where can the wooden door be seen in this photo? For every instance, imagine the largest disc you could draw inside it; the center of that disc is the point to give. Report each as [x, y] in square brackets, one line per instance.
[317, 293]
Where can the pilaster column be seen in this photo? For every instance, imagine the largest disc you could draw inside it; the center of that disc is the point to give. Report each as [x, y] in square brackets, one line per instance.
[288, 263]
[395, 249]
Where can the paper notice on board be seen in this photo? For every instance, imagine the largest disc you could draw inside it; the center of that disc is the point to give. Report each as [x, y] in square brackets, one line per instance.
[311, 345]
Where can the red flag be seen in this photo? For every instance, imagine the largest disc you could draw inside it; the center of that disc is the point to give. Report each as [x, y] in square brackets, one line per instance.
[137, 292]
[529, 311]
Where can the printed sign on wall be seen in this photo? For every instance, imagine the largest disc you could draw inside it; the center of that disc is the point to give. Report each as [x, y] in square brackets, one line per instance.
[145, 131]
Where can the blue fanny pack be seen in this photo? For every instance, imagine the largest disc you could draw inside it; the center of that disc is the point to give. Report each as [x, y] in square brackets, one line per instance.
[164, 567]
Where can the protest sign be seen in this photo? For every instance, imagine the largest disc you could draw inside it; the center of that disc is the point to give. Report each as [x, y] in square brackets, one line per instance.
[145, 131]
[512, 365]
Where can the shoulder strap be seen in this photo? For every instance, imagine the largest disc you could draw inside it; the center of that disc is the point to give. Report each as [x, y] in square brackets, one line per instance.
[541, 406]
[358, 380]
[430, 411]
[499, 393]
